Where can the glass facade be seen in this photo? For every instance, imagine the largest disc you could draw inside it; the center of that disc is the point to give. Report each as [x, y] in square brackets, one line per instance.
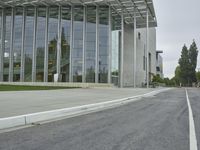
[40, 43]
[28, 44]
[52, 42]
[116, 48]
[17, 43]
[103, 44]
[90, 50]
[65, 43]
[80, 32]
[7, 43]
[77, 53]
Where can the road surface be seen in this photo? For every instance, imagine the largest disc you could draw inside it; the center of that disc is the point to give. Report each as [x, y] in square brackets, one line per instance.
[159, 122]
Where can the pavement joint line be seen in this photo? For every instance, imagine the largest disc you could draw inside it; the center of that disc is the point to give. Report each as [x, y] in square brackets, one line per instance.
[27, 119]
[192, 132]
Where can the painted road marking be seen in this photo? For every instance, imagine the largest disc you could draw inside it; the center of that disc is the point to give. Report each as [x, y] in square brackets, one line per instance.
[192, 132]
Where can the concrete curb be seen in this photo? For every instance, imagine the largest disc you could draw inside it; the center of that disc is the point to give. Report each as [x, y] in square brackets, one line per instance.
[28, 119]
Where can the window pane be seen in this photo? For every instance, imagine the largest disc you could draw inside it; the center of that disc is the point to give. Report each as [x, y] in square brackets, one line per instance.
[40, 44]
[77, 54]
[90, 50]
[103, 43]
[8, 13]
[52, 42]
[116, 44]
[17, 45]
[28, 43]
[65, 43]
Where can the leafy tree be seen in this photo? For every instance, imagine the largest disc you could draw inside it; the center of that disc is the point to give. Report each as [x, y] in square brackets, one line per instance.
[193, 53]
[157, 79]
[184, 63]
[198, 76]
[177, 77]
[188, 63]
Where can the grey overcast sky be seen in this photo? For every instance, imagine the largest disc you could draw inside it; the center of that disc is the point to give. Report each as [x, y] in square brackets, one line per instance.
[178, 24]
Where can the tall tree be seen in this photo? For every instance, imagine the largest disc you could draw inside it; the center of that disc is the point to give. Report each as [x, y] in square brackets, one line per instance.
[184, 64]
[193, 53]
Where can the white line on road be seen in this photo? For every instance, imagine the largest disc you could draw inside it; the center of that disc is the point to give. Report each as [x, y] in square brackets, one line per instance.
[192, 132]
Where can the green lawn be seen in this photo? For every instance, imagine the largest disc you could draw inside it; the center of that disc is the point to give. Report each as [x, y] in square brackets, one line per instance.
[29, 88]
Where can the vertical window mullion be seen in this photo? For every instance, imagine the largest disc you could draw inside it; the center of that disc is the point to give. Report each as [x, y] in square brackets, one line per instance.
[46, 46]
[2, 43]
[11, 46]
[34, 46]
[22, 50]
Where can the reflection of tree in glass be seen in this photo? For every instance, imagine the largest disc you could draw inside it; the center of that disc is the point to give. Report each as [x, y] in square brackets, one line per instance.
[65, 56]
[90, 76]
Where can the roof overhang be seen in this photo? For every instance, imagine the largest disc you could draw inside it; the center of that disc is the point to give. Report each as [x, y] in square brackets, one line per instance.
[128, 7]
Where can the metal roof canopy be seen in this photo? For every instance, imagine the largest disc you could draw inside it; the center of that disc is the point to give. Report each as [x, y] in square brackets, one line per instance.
[128, 7]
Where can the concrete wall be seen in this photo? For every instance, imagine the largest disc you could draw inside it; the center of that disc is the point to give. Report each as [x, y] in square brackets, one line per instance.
[152, 49]
[128, 63]
[141, 48]
[128, 56]
[141, 52]
[160, 66]
[128, 60]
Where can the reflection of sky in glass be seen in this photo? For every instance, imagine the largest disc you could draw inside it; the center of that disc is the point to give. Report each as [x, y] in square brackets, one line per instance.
[115, 51]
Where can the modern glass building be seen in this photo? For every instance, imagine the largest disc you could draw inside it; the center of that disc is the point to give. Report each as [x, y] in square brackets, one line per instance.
[79, 40]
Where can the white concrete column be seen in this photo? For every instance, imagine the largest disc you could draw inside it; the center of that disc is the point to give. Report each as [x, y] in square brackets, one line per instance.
[11, 46]
[84, 44]
[2, 43]
[34, 46]
[110, 46]
[46, 52]
[71, 44]
[97, 46]
[122, 52]
[135, 50]
[22, 50]
[59, 41]
[147, 48]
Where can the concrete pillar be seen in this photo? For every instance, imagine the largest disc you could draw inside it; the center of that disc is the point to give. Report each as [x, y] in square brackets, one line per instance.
[147, 48]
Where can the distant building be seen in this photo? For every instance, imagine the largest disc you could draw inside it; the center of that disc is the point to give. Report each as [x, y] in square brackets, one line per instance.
[88, 41]
[159, 64]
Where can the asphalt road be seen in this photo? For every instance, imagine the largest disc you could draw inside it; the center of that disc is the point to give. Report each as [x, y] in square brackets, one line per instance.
[155, 123]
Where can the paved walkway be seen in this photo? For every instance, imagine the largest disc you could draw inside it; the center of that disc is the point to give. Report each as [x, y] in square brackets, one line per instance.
[24, 102]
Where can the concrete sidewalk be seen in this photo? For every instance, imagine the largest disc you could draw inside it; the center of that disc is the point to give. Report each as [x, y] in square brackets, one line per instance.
[25, 102]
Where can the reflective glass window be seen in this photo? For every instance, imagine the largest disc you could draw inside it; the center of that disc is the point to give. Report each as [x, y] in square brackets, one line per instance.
[116, 46]
[52, 42]
[90, 49]
[40, 44]
[77, 54]
[65, 43]
[103, 43]
[28, 43]
[17, 45]
[7, 42]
